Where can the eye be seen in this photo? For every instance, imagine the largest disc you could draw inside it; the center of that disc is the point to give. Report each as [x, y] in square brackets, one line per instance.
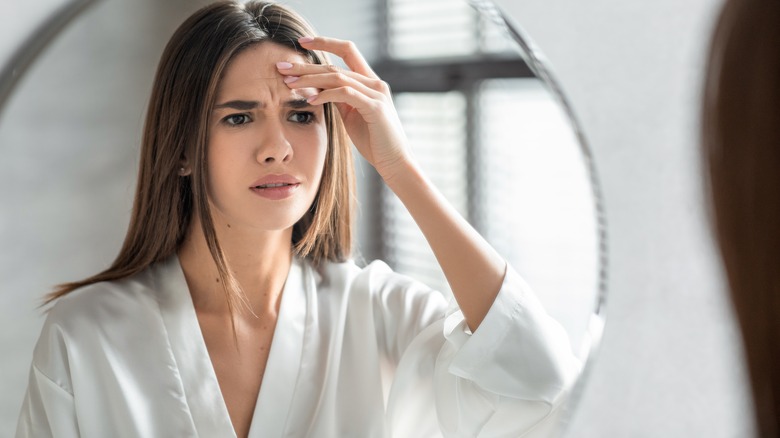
[302, 117]
[236, 119]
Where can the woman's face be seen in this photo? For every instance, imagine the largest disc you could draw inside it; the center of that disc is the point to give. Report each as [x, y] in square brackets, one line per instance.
[266, 145]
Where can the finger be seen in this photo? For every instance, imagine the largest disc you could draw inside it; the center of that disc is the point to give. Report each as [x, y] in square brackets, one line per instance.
[303, 69]
[333, 80]
[367, 107]
[344, 49]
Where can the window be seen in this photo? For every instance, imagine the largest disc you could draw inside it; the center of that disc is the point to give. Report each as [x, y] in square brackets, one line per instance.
[438, 55]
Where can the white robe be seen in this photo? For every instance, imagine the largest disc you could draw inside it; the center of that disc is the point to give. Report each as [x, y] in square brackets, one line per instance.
[127, 359]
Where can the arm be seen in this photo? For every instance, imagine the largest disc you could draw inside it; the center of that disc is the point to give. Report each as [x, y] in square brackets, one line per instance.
[473, 268]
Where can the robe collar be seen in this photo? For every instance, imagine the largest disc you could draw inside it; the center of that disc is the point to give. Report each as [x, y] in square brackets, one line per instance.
[196, 372]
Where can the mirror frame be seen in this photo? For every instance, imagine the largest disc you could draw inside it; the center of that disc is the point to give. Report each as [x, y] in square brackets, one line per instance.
[32, 46]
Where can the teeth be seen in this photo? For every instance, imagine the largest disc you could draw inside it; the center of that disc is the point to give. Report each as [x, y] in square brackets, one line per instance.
[270, 186]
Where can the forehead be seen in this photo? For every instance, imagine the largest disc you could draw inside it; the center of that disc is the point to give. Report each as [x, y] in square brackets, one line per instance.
[255, 66]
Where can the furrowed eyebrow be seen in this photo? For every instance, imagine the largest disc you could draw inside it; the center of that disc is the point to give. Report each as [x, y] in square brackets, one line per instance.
[241, 105]
[245, 105]
[297, 103]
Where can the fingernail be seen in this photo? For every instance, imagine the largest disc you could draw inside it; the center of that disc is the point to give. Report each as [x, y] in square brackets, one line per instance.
[306, 39]
[290, 79]
[283, 65]
[311, 99]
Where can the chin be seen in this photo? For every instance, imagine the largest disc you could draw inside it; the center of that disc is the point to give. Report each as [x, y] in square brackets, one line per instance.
[274, 221]
[279, 216]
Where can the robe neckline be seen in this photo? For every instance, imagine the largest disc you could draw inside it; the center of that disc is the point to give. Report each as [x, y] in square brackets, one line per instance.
[196, 372]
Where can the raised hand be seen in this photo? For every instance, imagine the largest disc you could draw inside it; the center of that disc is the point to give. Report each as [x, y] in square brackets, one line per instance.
[361, 97]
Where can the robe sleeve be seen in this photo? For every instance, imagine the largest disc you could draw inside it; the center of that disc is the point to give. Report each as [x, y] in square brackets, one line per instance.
[504, 380]
[48, 409]
[402, 307]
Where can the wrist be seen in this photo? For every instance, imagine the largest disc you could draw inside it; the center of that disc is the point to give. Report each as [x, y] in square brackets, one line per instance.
[396, 170]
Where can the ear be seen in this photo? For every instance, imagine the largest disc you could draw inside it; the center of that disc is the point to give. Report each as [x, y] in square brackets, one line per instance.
[184, 168]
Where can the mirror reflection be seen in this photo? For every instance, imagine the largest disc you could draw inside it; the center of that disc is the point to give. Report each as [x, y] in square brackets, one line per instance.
[484, 130]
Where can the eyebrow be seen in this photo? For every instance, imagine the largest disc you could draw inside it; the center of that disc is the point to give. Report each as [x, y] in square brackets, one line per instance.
[245, 105]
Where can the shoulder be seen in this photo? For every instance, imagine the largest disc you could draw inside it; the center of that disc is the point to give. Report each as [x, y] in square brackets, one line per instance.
[106, 301]
[106, 327]
[99, 316]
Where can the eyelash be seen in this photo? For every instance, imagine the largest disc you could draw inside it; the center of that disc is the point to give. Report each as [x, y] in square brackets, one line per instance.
[310, 118]
[227, 120]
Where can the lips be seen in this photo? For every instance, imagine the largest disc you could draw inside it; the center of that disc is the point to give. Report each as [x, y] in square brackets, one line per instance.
[275, 181]
[275, 187]
[272, 186]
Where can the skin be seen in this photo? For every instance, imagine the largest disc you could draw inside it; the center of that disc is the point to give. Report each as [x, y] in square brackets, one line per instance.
[257, 240]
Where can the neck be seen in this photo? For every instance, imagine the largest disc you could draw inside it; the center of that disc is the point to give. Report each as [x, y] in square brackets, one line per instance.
[259, 260]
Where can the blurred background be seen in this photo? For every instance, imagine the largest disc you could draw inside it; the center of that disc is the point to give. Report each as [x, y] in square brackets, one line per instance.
[669, 364]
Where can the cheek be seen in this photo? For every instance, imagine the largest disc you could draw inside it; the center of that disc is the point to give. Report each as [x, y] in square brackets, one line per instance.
[221, 163]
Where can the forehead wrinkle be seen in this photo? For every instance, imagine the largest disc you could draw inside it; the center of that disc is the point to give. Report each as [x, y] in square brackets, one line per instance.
[255, 87]
[253, 76]
[255, 65]
[238, 87]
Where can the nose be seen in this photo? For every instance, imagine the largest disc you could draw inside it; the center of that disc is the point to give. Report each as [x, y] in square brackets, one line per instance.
[273, 145]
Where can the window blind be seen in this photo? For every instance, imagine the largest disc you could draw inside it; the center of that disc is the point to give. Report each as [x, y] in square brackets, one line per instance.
[431, 28]
[435, 125]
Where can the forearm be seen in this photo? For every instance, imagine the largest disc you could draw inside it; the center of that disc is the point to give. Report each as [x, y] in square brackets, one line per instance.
[474, 270]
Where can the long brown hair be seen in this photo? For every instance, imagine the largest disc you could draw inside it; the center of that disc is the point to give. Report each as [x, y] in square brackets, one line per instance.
[176, 128]
[741, 157]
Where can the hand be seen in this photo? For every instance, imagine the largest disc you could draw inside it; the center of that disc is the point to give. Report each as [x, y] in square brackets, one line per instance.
[362, 99]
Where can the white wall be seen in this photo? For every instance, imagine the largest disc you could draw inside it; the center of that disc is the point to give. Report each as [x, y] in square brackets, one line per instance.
[670, 363]
[68, 163]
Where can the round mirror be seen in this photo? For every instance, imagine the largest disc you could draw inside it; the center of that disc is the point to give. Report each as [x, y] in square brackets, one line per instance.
[484, 116]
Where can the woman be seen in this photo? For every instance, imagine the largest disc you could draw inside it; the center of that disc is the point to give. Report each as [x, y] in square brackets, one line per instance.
[741, 151]
[232, 308]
